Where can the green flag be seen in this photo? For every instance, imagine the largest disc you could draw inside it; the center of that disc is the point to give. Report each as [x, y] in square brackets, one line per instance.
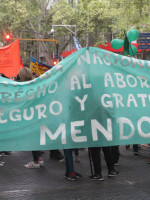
[126, 46]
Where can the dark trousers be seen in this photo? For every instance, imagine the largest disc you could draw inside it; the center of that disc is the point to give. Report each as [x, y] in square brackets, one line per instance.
[36, 155]
[135, 147]
[96, 159]
[115, 153]
[69, 160]
[55, 153]
[76, 152]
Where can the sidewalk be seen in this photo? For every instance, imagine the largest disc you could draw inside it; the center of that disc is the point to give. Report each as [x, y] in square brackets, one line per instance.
[48, 182]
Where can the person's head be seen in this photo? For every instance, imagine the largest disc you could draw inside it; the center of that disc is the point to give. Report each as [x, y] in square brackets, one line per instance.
[25, 74]
[3, 75]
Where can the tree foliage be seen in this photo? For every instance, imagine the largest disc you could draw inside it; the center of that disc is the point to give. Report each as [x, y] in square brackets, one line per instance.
[96, 21]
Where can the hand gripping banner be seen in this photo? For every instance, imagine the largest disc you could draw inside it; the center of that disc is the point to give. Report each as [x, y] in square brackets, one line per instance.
[91, 98]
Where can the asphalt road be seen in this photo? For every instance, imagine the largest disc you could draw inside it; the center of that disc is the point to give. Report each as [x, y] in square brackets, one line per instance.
[48, 182]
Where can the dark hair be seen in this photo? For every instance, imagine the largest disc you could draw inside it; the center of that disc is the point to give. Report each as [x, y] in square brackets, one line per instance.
[25, 74]
[3, 75]
[17, 78]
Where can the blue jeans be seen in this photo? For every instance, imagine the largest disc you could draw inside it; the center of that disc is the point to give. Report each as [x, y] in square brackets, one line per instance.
[69, 160]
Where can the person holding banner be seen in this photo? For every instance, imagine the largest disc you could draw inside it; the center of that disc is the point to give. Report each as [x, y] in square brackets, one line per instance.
[115, 154]
[95, 154]
[71, 174]
[55, 155]
[25, 74]
[135, 149]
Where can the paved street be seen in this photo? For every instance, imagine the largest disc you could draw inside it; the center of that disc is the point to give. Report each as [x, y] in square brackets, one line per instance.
[48, 182]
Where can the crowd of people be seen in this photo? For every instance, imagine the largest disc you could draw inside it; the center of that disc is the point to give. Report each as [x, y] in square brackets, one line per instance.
[111, 154]
[69, 156]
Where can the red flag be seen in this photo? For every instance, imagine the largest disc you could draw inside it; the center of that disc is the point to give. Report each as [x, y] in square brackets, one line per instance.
[10, 62]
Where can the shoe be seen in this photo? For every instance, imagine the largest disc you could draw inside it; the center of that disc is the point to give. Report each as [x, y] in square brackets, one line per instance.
[127, 147]
[116, 164]
[112, 173]
[1, 164]
[5, 152]
[32, 165]
[136, 153]
[41, 162]
[69, 177]
[62, 161]
[78, 176]
[97, 177]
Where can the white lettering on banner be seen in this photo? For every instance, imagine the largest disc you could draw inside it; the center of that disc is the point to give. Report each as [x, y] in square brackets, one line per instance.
[117, 100]
[5, 97]
[121, 81]
[107, 79]
[107, 62]
[85, 85]
[17, 94]
[61, 130]
[31, 95]
[74, 132]
[121, 121]
[143, 97]
[55, 108]
[143, 81]
[2, 121]
[96, 126]
[125, 61]
[97, 57]
[107, 104]
[17, 116]
[86, 59]
[132, 99]
[41, 113]
[115, 59]
[75, 80]
[139, 62]
[140, 121]
[31, 115]
[51, 89]
[134, 80]
[58, 104]
[82, 102]
[41, 90]
[112, 59]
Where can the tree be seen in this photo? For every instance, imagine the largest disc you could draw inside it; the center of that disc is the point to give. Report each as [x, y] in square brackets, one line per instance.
[27, 18]
[96, 21]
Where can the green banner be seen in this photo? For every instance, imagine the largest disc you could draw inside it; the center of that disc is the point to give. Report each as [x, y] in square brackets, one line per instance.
[91, 98]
